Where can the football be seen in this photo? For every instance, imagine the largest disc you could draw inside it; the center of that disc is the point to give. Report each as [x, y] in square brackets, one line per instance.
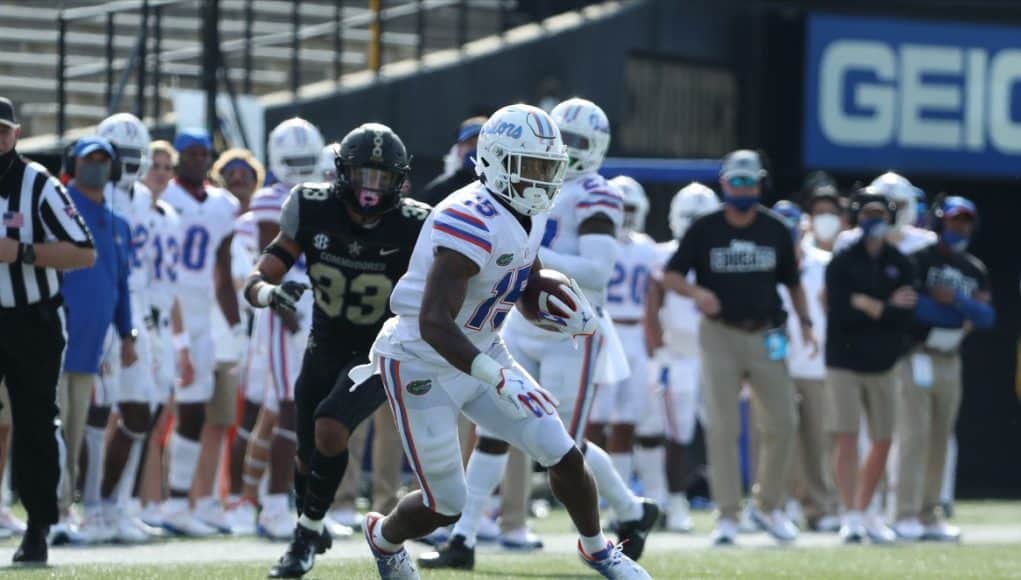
[534, 301]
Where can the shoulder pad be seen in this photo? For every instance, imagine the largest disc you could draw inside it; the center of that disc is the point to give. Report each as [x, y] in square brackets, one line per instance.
[414, 209]
[313, 191]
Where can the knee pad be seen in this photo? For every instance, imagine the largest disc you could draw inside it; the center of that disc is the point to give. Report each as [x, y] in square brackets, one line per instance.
[546, 440]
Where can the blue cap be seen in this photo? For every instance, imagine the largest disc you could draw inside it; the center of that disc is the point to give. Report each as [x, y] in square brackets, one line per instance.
[191, 137]
[87, 145]
[790, 212]
[468, 132]
[956, 205]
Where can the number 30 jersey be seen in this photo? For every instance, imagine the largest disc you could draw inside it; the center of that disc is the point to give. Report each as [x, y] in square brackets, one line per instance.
[472, 223]
[352, 269]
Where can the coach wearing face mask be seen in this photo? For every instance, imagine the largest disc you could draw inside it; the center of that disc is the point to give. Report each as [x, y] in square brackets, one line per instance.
[740, 254]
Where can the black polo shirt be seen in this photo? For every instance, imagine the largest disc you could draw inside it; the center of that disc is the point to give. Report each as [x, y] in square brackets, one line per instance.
[742, 266]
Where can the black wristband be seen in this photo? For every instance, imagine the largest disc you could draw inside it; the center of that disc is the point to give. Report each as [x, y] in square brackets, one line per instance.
[252, 281]
[281, 254]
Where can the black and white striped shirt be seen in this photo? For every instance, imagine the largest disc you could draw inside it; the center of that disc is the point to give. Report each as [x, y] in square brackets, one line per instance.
[34, 208]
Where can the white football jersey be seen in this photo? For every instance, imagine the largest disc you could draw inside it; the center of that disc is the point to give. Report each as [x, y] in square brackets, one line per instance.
[678, 316]
[637, 258]
[267, 203]
[204, 226]
[471, 222]
[813, 280]
[135, 207]
[579, 199]
[243, 254]
[911, 239]
[166, 253]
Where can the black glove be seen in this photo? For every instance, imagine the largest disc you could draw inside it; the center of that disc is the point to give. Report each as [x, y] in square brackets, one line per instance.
[286, 295]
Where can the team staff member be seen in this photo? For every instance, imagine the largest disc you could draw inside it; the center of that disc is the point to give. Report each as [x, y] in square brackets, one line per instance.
[464, 172]
[870, 302]
[953, 298]
[739, 255]
[42, 233]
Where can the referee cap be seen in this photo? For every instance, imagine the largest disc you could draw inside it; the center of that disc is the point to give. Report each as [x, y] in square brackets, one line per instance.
[191, 137]
[87, 145]
[7, 116]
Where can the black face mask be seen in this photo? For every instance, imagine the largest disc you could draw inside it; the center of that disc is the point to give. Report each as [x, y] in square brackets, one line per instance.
[93, 175]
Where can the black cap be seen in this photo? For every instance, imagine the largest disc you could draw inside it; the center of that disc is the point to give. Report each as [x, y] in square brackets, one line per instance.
[7, 113]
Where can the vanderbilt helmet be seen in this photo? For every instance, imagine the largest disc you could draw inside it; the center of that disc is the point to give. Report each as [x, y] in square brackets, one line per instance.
[372, 167]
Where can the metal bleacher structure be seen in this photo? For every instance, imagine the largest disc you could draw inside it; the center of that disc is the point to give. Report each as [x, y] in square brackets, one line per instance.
[68, 64]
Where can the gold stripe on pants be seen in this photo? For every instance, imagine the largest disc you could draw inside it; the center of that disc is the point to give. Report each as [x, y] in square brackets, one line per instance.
[729, 356]
[926, 418]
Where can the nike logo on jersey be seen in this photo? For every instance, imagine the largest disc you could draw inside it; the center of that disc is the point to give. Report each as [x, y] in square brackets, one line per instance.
[388, 251]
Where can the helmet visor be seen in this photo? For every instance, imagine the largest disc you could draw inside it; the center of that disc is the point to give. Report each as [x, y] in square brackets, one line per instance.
[371, 185]
[574, 140]
[540, 170]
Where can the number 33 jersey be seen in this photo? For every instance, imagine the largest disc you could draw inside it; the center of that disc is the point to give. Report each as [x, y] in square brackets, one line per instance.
[352, 269]
[472, 223]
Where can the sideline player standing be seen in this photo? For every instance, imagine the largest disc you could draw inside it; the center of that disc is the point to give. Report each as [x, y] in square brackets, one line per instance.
[357, 234]
[621, 405]
[442, 355]
[672, 323]
[207, 217]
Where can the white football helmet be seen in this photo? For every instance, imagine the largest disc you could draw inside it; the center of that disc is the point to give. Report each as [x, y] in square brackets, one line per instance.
[900, 191]
[690, 203]
[636, 203]
[132, 140]
[520, 144]
[295, 148]
[328, 163]
[586, 134]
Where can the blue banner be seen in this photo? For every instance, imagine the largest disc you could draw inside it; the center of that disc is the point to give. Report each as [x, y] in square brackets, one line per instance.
[918, 97]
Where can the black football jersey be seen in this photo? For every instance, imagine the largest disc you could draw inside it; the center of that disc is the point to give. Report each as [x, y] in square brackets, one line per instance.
[352, 269]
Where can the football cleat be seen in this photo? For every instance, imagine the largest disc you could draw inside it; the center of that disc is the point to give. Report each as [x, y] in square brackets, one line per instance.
[632, 534]
[184, 523]
[276, 526]
[391, 565]
[241, 518]
[612, 563]
[678, 515]
[301, 553]
[454, 554]
[522, 540]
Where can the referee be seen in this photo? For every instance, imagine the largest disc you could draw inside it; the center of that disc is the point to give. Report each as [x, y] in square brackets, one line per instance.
[41, 234]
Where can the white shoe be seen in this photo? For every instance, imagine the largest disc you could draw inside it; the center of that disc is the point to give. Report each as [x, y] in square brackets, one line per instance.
[878, 532]
[910, 530]
[339, 530]
[346, 517]
[395, 566]
[794, 512]
[96, 529]
[5, 533]
[828, 525]
[182, 522]
[277, 525]
[746, 522]
[613, 564]
[10, 522]
[941, 532]
[240, 517]
[521, 540]
[489, 530]
[724, 533]
[776, 524]
[852, 528]
[678, 515]
[212, 514]
[152, 515]
[129, 530]
[65, 532]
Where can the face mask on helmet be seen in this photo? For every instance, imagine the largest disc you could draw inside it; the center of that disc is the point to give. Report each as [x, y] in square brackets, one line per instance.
[535, 181]
[372, 189]
[304, 166]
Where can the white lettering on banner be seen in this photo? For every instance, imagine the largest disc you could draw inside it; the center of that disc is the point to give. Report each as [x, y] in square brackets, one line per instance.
[972, 96]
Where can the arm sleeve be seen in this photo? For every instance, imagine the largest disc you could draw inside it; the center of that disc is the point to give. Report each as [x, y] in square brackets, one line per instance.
[787, 264]
[932, 313]
[60, 217]
[592, 267]
[979, 313]
[460, 229]
[122, 311]
[687, 252]
[289, 216]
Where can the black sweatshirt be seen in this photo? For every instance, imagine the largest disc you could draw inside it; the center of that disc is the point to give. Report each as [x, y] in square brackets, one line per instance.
[854, 341]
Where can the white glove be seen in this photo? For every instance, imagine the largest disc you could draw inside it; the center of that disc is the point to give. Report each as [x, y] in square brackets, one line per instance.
[580, 321]
[519, 393]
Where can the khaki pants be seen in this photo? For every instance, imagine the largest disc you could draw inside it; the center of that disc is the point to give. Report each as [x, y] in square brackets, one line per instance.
[850, 393]
[74, 393]
[387, 458]
[729, 356]
[926, 417]
[347, 491]
[5, 411]
[222, 408]
[515, 491]
[812, 483]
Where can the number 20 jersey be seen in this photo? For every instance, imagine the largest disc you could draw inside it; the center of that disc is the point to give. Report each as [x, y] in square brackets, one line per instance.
[472, 223]
[352, 270]
[204, 226]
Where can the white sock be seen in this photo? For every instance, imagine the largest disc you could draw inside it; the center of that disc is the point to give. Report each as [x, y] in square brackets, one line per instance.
[95, 440]
[485, 470]
[274, 503]
[381, 542]
[610, 485]
[184, 457]
[316, 526]
[122, 492]
[650, 463]
[593, 544]
[624, 463]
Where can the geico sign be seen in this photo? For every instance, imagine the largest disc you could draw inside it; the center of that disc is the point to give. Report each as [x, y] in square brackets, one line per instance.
[872, 94]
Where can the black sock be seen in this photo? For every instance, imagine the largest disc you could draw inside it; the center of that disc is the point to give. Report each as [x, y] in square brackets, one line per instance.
[299, 490]
[324, 475]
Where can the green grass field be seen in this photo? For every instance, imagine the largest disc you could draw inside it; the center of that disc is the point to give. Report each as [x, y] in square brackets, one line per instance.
[984, 561]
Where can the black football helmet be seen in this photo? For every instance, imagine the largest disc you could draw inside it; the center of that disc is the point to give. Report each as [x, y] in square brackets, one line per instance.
[372, 168]
[867, 195]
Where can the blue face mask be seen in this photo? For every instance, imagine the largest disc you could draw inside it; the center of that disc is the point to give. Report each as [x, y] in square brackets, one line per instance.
[468, 159]
[954, 240]
[741, 204]
[873, 227]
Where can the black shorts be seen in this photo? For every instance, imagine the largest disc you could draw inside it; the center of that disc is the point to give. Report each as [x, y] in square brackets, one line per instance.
[323, 389]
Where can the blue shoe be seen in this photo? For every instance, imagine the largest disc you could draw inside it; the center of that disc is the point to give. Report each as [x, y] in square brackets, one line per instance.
[613, 564]
[392, 566]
